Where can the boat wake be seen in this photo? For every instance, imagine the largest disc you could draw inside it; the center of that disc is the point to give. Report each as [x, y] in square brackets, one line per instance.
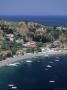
[13, 64]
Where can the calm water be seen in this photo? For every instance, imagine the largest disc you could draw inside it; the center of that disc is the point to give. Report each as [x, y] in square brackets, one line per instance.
[47, 20]
[43, 73]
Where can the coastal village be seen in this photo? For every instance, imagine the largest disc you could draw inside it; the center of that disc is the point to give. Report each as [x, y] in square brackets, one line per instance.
[19, 38]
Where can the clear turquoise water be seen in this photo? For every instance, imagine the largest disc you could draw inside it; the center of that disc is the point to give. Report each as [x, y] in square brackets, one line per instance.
[36, 75]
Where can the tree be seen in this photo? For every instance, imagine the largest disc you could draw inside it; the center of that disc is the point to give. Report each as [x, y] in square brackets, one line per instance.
[55, 34]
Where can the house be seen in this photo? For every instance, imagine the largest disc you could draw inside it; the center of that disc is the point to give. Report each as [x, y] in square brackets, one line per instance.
[20, 41]
[31, 44]
[6, 53]
[57, 44]
[19, 52]
[30, 47]
[9, 37]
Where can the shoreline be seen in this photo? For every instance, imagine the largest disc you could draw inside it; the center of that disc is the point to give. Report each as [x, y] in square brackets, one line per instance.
[11, 60]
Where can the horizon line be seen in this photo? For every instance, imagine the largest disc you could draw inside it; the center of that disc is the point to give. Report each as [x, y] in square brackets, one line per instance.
[33, 15]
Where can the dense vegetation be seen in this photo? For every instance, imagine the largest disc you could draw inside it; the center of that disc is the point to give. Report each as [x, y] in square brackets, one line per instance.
[33, 31]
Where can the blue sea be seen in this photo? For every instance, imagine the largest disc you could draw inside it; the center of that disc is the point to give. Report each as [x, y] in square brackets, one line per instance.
[39, 73]
[46, 20]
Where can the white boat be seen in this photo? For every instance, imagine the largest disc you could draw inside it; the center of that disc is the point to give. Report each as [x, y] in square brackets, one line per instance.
[49, 66]
[10, 85]
[52, 81]
[57, 60]
[14, 87]
[12, 65]
[28, 61]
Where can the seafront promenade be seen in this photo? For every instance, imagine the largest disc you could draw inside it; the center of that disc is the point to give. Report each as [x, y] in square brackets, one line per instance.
[15, 59]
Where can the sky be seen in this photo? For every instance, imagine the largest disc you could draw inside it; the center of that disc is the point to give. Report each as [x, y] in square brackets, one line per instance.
[33, 7]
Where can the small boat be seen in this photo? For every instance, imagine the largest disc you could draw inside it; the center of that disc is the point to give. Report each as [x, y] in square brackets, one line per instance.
[10, 85]
[28, 61]
[51, 81]
[57, 60]
[12, 64]
[14, 87]
[49, 66]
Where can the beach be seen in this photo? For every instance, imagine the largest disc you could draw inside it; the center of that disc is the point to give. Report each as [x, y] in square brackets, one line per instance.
[16, 58]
